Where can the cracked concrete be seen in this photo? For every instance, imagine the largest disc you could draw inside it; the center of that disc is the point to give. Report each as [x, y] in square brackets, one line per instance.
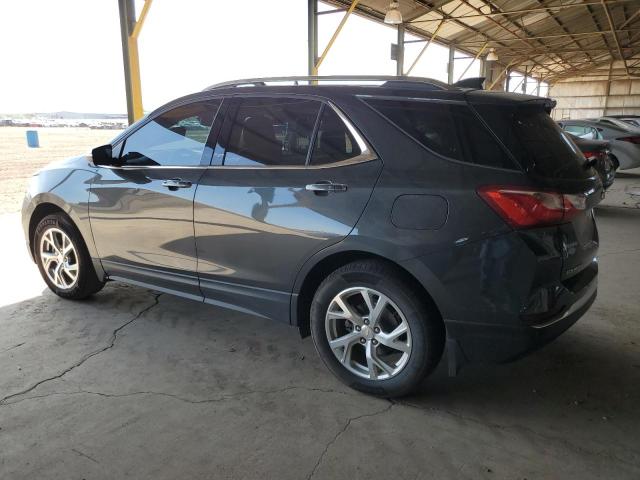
[112, 342]
[347, 424]
[134, 384]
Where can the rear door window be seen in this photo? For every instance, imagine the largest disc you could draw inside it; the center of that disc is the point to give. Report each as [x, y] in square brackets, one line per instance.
[268, 132]
[538, 143]
[334, 142]
[451, 130]
[174, 138]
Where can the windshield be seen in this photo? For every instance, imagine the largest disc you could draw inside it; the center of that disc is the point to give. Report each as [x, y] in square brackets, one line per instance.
[535, 140]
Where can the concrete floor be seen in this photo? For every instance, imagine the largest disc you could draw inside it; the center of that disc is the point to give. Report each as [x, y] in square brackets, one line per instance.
[134, 385]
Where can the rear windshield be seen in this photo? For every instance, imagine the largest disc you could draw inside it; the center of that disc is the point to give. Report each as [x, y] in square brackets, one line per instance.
[536, 141]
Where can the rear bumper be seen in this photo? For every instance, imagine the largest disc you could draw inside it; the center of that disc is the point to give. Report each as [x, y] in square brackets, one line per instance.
[498, 343]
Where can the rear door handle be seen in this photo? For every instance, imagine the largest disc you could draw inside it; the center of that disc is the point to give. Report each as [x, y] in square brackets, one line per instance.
[325, 187]
[176, 183]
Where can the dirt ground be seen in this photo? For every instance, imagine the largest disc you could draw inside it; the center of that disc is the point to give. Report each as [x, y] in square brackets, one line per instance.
[18, 162]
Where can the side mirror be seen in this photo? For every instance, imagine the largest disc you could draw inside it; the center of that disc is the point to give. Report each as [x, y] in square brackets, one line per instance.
[102, 155]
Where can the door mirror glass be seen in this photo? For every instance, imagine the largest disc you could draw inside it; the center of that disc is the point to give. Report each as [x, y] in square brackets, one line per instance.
[102, 155]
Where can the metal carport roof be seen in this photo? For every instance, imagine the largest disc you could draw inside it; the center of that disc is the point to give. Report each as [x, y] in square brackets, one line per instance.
[555, 39]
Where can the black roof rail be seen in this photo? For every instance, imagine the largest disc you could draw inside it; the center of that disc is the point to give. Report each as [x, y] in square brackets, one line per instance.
[388, 81]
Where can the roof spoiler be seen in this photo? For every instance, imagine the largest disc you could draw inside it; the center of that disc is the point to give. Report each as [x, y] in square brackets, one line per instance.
[549, 105]
[473, 82]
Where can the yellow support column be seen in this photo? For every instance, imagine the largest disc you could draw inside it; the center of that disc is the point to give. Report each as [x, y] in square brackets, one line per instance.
[136, 85]
[130, 30]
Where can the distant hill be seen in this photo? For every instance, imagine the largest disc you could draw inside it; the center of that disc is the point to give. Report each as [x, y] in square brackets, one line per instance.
[79, 115]
[66, 115]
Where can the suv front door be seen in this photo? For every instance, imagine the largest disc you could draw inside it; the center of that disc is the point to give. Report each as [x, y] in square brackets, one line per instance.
[141, 209]
[289, 177]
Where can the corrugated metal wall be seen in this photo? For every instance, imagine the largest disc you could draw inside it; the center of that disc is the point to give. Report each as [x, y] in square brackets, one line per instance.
[596, 96]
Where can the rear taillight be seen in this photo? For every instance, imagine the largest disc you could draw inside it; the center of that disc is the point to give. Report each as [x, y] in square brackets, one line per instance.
[522, 207]
[597, 154]
[635, 139]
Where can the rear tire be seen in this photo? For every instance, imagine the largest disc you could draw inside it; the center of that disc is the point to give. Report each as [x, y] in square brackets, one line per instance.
[63, 259]
[384, 349]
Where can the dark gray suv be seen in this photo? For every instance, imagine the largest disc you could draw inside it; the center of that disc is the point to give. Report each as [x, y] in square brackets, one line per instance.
[389, 221]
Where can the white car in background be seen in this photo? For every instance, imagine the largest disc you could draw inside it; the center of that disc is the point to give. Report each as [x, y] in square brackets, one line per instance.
[624, 139]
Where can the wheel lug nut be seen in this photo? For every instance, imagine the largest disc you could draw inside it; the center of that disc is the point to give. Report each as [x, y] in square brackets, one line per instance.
[377, 330]
[366, 321]
[358, 328]
[374, 341]
[363, 341]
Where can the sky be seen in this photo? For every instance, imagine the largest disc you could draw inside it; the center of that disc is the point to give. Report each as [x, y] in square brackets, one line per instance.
[67, 55]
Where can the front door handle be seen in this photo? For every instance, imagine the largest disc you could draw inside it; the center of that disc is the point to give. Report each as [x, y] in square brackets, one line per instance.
[176, 183]
[324, 187]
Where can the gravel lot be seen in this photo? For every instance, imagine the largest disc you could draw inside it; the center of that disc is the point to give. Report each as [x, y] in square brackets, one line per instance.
[18, 162]
[132, 384]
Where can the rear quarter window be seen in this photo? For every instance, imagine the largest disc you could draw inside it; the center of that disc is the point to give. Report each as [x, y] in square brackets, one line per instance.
[450, 130]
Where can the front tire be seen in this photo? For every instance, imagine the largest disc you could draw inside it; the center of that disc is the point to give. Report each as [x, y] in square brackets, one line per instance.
[63, 259]
[373, 330]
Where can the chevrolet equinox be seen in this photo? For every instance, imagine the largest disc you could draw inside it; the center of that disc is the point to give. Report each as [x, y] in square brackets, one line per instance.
[392, 221]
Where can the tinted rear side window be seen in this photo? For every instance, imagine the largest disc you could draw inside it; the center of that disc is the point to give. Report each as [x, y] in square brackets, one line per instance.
[334, 142]
[451, 130]
[535, 140]
[270, 132]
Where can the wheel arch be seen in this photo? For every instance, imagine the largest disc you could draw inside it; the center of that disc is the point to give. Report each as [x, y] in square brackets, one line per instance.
[41, 211]
[51, 205]
[308, 283]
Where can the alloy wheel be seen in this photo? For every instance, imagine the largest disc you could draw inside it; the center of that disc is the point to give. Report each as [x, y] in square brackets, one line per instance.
[368, 333]
[59, 258]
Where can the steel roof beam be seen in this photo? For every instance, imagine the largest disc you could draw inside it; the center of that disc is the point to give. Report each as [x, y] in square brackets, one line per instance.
[564, 29]
[493, 20]
[467, 27]
[631, 18]
[516, 12]
[540, 37]
[615, 35]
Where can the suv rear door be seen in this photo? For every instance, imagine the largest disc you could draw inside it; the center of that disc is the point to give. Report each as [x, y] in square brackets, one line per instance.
[289, 177]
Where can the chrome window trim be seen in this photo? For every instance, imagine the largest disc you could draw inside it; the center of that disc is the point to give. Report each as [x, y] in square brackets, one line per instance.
[350, 161]
[362, 144]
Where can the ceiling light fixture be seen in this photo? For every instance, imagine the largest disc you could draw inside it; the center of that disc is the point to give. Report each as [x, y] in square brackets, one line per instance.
[393, 16]
[493, 56]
